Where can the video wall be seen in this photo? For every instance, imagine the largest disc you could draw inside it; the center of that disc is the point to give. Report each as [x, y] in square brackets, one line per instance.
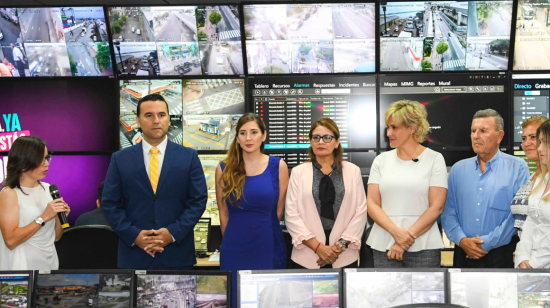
[177, 40]
[54, 42]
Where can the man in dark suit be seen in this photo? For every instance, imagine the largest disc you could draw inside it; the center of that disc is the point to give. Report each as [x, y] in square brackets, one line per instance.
[154, 194]
[95, 217]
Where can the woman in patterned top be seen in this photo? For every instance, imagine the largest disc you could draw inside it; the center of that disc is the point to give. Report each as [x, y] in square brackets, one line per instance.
[529, 146]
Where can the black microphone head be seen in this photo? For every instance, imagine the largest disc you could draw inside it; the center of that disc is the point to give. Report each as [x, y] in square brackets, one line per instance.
[54, 191]
[414, 160]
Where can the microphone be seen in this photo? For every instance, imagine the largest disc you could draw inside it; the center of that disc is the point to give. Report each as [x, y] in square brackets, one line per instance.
[414, 160]
[54, 192]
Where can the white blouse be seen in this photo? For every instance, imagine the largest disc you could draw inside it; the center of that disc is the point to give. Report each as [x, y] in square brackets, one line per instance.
[535, 238]
[404, 189]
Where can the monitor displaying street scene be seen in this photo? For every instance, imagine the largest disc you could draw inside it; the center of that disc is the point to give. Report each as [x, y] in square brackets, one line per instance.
[209, 164]
[140, 59]
[84, 24]
[190, 40]
[450, 35]
[212, 291]
[54, 42]
[213, 96]
[83, 290]
[218, 23]
[300, 38]
[484, 289]
[389, 289]
[14, 289]
[131, 91]
[532, 36]
[209, 132]
[179, 58]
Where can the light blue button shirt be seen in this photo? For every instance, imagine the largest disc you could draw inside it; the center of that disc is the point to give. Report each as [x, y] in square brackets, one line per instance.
[479, 203]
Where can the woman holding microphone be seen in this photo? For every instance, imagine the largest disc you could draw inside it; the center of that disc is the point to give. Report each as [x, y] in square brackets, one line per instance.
[326, 206]
[28, 215]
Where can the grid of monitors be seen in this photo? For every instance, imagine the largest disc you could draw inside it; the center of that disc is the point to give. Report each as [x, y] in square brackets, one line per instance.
[15, 288]
[532, 38]
[105, 288]
[289, 106]
[183, 289]
[505, 288]
[310, 38]
[290, 288]
[451, 101]
[445, 35]
[177, 40]
[531, 95]
[53, 42]
[382, 288]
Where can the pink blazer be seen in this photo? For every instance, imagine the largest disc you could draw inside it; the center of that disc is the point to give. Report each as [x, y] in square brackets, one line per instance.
[303, 221]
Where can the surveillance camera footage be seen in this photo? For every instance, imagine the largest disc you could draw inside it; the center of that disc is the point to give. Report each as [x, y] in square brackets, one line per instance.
[179, 58]
[445, 35]
[48, 60]
[140, 59]
[84, 24]
[213, 96]
[209, 164]
[174, 23]
[14, 290]
[218, 23]
[221, 58]
[209, 132]
[532, 36]
[41, 25]
[133, 90]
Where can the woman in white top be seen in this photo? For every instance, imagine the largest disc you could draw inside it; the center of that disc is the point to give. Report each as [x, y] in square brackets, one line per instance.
[28, 215]
[406, 193]
[533, 251]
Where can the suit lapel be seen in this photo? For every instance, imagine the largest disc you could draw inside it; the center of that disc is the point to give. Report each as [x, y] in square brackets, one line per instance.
[139, 162]
[169, 157]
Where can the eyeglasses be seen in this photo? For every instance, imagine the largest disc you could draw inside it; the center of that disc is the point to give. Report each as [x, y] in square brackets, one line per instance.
[48, 159]
[326, 138]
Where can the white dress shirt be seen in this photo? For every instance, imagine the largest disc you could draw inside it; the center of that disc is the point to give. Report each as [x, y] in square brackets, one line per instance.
[535, 244]
[147, 154]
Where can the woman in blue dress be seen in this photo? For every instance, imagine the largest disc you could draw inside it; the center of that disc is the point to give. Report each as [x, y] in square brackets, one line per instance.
[251, 190]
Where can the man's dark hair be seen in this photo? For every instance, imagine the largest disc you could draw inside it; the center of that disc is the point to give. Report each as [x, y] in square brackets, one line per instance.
[100, 193]
[152, 97]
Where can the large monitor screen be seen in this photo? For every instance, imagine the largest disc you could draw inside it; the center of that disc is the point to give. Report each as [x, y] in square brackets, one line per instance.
[54, 41]
[15, 288]
[445, 35]
[451, 102]
[532, 36]
[70, 115]
[209, 164]
[178, 290]
[84, 289]
[298, 288]
[384, 289]
[310, 38]
[289, 107]
[177, 40]
[531, 93]
[488, 288]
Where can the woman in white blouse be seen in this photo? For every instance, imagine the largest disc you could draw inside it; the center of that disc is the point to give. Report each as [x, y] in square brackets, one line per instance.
[406, 193]
[533, 251]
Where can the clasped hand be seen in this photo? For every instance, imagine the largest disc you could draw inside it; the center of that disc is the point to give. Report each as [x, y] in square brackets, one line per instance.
[153, 241]
[327, 254]
[472, 247]
[404, 238]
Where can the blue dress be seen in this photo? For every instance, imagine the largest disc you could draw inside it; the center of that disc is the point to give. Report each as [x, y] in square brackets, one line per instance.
[253, 239]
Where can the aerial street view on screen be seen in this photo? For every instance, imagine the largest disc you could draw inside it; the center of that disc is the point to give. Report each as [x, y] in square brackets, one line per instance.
[131, 91]
[209, 164]
[179, 58]
[389, 289]
[310, 38]
[209, 132]
[174, 23]
[14, 290]
[167, 291]
[316, 293]
[445, 35]
[485, 289]
[140, 59]
[83, 290]
[48, 59]
[532, 36]
[213, 96]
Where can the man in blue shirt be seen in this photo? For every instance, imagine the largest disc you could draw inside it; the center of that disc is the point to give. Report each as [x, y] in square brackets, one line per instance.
[477, 214]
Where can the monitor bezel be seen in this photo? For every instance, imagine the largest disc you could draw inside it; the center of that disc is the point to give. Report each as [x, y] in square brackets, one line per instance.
[227, 274]
[79, 271]
[294, 271]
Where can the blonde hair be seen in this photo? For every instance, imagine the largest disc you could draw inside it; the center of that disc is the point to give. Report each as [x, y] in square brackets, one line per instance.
[536, 119]
[410, 114]
[542, 131]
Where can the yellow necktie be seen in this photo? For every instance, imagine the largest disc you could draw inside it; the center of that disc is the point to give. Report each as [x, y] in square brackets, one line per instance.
[154, 169]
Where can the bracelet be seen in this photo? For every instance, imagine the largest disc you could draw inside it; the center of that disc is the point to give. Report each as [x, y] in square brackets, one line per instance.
[337, 247]
[317, 247]
[340, 246]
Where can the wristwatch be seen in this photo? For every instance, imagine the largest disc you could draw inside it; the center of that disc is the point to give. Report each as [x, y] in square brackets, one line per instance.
[342, 247]
[344, 242]
[40, 221]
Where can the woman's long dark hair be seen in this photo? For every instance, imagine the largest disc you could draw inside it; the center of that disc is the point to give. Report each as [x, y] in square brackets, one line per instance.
[26, 154]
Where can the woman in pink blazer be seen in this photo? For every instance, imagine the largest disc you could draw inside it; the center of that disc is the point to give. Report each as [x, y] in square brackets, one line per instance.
[326, 205]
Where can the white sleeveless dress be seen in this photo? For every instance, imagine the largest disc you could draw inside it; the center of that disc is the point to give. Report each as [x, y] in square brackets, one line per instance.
[38, 252]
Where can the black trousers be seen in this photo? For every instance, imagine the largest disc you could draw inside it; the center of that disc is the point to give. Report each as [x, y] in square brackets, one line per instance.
[501, 257]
